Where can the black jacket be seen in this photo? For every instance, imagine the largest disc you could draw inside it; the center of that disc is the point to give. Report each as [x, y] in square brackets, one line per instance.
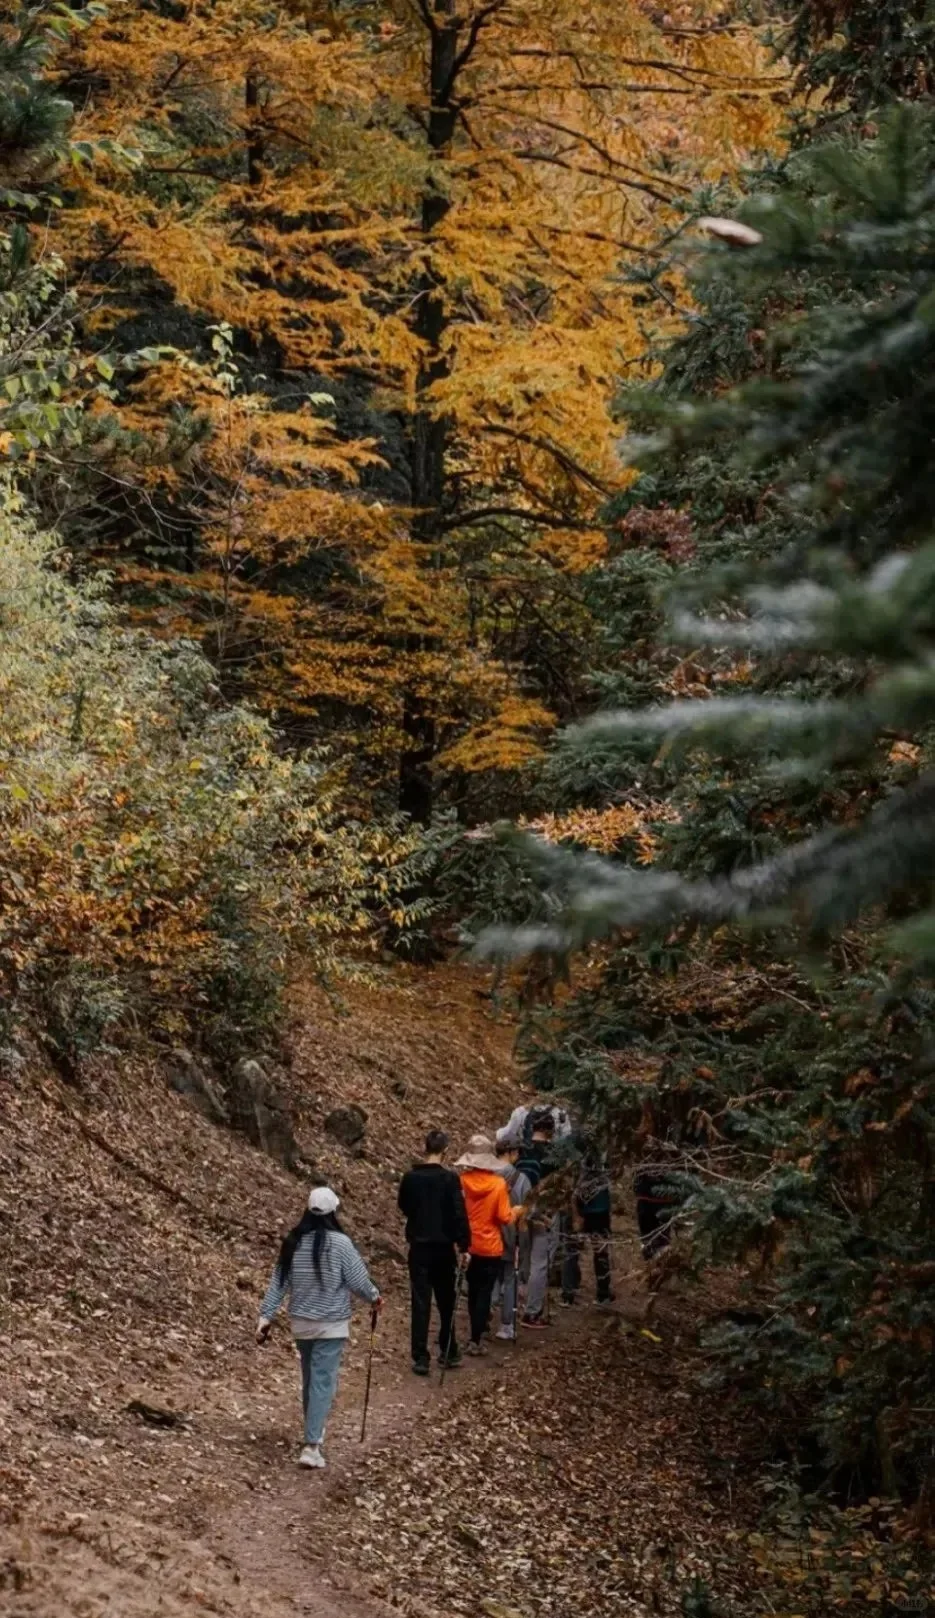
[431, 1198]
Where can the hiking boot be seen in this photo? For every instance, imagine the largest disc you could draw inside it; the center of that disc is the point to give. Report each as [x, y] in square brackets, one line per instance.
[421, 1367]
[605, 1303]
[311, 1456]
[453, 1360]
[507, 1334]
[533, 1323]
[567, 1300]
[477, 1350]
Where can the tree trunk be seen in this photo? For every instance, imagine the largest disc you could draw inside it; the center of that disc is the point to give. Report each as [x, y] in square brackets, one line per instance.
[415, 764]
[254, 148]
[429, 433]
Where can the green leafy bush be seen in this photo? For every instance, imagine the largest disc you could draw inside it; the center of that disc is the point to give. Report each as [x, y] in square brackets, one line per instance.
[161, 856]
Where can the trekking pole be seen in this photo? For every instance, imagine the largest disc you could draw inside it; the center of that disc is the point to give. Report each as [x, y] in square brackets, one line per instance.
[516, 1289]
[454, 1317]
[374, 1313]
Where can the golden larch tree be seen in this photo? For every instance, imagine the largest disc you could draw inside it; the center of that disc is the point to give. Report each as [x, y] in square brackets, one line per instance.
[405, 226]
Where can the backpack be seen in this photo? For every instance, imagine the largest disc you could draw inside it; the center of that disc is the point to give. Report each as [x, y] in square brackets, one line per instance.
[536, 1117]
[515, 1173]
[593, 1181]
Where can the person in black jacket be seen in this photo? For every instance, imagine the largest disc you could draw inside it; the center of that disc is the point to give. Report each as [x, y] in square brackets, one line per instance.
[436, 1224]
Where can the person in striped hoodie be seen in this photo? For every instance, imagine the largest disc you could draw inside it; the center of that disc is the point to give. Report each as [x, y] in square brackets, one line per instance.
[318, 1269]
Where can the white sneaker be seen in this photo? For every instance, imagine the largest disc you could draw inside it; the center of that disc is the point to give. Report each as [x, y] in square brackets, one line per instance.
[311, 1456]
[506, 1334]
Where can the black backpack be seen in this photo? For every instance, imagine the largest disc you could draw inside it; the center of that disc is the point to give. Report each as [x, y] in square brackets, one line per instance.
[539, 1117]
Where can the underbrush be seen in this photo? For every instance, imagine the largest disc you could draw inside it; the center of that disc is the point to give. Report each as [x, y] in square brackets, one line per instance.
[819, 1558]
[161, 859]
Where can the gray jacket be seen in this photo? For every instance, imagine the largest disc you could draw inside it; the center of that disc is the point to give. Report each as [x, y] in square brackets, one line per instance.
[519, 1187]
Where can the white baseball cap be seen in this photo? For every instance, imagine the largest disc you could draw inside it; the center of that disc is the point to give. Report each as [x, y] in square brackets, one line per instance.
[323, 1200]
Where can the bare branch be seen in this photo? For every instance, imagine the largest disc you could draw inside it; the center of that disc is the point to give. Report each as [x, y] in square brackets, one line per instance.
[464, 55]
[618, 242]
[579, 136]
[532, 156]
[520, 88]
[427, 15]
[561, 456]
[680, 70]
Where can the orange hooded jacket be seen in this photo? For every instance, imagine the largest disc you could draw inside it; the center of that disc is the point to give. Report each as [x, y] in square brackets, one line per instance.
[487, 1201]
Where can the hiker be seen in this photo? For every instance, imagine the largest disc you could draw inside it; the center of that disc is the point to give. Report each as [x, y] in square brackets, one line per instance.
[437, 1228]
[318, 1267]
[487, 1201]
[535, 1161]
[656, 1203]
[519, 1125]
[591, 1212]
[507, 1153]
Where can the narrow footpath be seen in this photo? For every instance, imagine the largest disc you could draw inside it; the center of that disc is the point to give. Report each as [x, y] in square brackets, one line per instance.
[572, 1466]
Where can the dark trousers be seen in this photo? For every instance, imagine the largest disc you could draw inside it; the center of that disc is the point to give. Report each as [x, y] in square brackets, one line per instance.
[654, 1214]
[432, 1270]
[483, 1274]
[597, 1227]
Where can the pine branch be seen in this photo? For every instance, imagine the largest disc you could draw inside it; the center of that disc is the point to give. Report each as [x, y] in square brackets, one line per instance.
[830, 877]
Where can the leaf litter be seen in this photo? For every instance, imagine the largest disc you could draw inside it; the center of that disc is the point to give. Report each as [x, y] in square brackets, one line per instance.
[146, 1442]
[571, 1478]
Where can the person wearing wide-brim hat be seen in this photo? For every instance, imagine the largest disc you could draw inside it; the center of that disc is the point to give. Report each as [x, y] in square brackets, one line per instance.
[487, 1201]
[480, 1154]
[318, 1268]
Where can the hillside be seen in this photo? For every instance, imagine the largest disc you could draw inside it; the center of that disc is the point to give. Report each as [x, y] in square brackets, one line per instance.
[138, 1238]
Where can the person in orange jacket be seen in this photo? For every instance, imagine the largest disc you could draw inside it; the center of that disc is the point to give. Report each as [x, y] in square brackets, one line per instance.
[487, 1201]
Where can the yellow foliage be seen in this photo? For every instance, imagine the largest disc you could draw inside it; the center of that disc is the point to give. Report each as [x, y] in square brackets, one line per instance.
[282, 188]
[508, 739]
[158, 847]
[604, 830]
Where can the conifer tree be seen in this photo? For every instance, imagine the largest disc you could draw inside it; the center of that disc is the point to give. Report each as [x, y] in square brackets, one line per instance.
[861, 55]
[34, 117]
[796, 1104]
[44, 381]
[848, 427]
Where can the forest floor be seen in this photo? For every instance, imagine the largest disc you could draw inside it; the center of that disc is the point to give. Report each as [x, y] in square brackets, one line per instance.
[577, 1470]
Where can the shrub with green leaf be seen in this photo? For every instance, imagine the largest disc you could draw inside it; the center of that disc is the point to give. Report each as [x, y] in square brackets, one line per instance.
[161, 856]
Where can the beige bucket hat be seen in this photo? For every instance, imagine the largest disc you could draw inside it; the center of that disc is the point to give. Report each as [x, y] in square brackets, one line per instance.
[480, 1155]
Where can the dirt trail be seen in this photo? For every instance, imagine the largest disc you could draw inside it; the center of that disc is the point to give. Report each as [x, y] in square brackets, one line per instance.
[136, 1240]
[571, 1470]
[277, 1539]
[136, 1244]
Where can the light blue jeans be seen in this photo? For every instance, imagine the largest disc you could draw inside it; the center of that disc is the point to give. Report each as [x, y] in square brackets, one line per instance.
[321, 1365]
[507, 1292]
[543, 1244]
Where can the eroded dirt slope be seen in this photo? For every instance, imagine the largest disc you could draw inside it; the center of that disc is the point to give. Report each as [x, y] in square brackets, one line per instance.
[136, 1243]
